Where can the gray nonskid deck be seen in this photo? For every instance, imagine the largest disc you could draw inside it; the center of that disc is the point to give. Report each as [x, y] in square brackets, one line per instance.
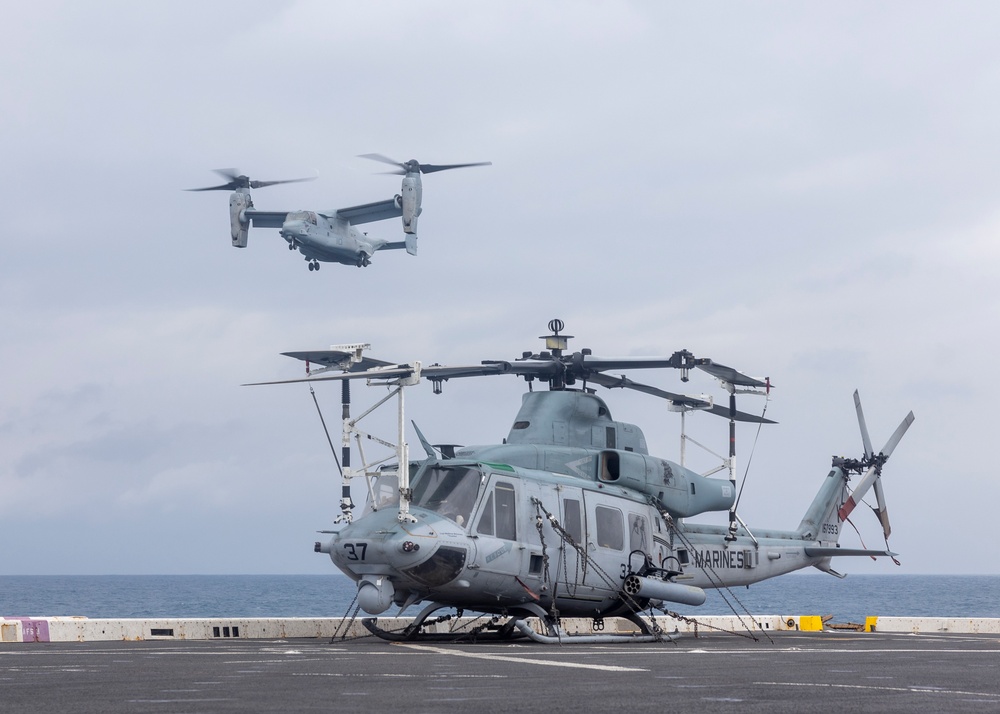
[780, 672]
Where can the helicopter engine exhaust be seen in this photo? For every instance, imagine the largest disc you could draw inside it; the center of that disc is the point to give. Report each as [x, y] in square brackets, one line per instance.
[375, 593]
[636, 586]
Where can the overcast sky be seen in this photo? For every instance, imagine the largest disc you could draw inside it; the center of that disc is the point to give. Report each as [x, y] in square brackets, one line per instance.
[806, 191]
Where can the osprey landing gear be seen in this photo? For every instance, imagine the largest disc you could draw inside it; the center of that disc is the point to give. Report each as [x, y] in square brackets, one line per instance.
[313, 265]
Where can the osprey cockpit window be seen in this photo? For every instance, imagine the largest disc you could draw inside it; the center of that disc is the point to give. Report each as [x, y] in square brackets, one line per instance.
[307, 216]
[450, 491]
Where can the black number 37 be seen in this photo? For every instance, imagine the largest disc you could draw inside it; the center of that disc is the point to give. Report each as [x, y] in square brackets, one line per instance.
[356, 551]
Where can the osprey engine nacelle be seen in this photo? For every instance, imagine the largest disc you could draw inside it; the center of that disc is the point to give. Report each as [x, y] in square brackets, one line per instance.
[238, 224]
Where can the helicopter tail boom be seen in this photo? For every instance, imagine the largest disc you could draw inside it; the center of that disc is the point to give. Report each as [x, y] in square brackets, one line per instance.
[821, 521]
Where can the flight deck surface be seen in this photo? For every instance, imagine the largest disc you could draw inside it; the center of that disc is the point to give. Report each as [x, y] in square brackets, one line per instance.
[781, 672]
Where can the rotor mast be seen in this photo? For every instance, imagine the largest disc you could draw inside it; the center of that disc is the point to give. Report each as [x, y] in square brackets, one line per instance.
[555, 345]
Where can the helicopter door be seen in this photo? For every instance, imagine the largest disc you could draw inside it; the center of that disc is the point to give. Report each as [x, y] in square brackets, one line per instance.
[606, 542]
[497, 529]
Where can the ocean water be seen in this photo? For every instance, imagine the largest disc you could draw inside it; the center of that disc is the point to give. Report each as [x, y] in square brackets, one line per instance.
[137, 596]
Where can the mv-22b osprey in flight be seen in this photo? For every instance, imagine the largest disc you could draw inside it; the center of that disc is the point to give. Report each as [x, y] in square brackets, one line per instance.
[570, 516]
[332, 236]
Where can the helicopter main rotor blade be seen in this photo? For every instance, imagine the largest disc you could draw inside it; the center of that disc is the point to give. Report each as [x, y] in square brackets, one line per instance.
[732, 376]
[238, 180]
[413, 165]
[404, 370]
[235, 181]
[604, 364]
[431, 168]
[682, 400]
[262, 184]
[432, 372]
[334, 358]
[873, 472]
[383, 159]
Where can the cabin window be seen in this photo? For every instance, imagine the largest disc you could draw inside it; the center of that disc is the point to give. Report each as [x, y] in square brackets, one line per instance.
[448, 491]
[522, 424]
[637, 530]
[499, 514]
[610, 533]
[572, 520]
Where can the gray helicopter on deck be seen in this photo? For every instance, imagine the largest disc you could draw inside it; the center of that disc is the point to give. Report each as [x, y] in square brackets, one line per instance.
[570, 516]
[332, 236]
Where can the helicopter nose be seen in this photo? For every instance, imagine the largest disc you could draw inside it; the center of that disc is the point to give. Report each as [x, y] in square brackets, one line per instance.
[292, 229]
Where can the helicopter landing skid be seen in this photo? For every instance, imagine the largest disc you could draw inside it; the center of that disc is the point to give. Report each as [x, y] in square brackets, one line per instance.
[413, 632]
[514, 628]
[557, 636]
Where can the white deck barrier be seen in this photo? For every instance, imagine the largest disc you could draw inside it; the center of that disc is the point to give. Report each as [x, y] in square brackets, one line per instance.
[83, 629]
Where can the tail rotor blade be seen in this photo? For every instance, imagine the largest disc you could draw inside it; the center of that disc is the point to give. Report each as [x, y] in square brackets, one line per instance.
[872, 474]
[890, 445]
[859, 492]
[865, 439]
[880, 512]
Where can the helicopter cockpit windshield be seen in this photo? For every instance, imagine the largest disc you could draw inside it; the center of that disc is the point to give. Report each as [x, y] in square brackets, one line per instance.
[384, 492]
[449, 491]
